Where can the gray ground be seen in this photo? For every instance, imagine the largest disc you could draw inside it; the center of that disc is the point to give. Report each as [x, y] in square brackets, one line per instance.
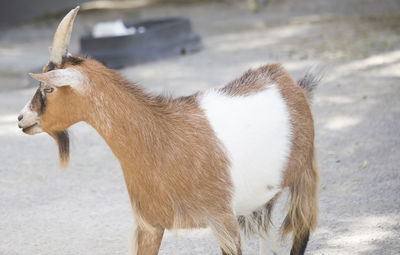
[86, 210]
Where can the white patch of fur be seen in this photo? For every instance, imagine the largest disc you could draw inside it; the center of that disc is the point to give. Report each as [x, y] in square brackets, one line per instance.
[63, 77]
[256, 132]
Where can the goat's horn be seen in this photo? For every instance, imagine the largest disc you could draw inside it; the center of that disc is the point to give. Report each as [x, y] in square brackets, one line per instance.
[62, 37]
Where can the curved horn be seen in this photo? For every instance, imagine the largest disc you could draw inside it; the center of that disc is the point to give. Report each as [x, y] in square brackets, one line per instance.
[62, 37]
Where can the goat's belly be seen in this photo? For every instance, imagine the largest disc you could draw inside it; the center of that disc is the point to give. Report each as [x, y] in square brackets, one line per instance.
[255, 131]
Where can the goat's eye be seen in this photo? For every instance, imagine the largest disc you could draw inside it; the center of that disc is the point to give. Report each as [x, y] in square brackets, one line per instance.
[48, 90]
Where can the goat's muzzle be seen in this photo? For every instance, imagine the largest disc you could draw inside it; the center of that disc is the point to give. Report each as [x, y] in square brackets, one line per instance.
[28, 127]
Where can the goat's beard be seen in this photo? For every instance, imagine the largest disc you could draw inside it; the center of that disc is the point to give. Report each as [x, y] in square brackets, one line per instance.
[62, 140]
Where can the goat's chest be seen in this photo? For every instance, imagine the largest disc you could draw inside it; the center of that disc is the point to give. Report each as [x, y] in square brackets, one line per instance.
[255, 131]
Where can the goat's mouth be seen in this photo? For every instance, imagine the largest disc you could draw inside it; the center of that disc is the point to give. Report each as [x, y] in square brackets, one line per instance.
[27, 128]
[32, 129]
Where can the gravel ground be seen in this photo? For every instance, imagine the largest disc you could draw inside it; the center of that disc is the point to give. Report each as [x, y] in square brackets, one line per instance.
[85, 209]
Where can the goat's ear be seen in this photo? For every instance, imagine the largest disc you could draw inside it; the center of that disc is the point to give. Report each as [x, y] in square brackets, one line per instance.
[61, 77]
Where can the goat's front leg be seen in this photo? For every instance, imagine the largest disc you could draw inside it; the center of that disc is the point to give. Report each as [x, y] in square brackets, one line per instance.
[239, 252]
[148, 243]
[226, 230]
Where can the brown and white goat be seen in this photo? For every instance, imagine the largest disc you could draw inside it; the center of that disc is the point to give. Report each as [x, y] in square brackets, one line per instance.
[216, 159]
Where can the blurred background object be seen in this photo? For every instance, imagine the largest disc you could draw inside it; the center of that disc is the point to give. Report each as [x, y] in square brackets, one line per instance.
[117, 45]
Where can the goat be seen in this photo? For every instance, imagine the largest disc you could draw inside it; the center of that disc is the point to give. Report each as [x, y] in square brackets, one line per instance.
[216, 159]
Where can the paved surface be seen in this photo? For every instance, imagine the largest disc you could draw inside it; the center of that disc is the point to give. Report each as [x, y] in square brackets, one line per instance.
[85, 209]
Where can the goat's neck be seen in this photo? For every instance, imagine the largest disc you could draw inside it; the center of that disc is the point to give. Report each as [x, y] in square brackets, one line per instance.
[127, 119]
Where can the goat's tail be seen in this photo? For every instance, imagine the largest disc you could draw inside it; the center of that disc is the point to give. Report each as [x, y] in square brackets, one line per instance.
[303, 212]
[309, 82]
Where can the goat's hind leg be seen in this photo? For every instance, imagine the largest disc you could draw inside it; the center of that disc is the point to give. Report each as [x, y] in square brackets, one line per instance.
[300, 244]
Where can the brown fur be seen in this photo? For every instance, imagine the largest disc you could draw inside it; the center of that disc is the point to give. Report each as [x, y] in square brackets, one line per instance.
[251, 82]
[175, 169]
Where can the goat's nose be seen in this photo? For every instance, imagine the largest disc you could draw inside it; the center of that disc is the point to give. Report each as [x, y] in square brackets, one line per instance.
[20, 117]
